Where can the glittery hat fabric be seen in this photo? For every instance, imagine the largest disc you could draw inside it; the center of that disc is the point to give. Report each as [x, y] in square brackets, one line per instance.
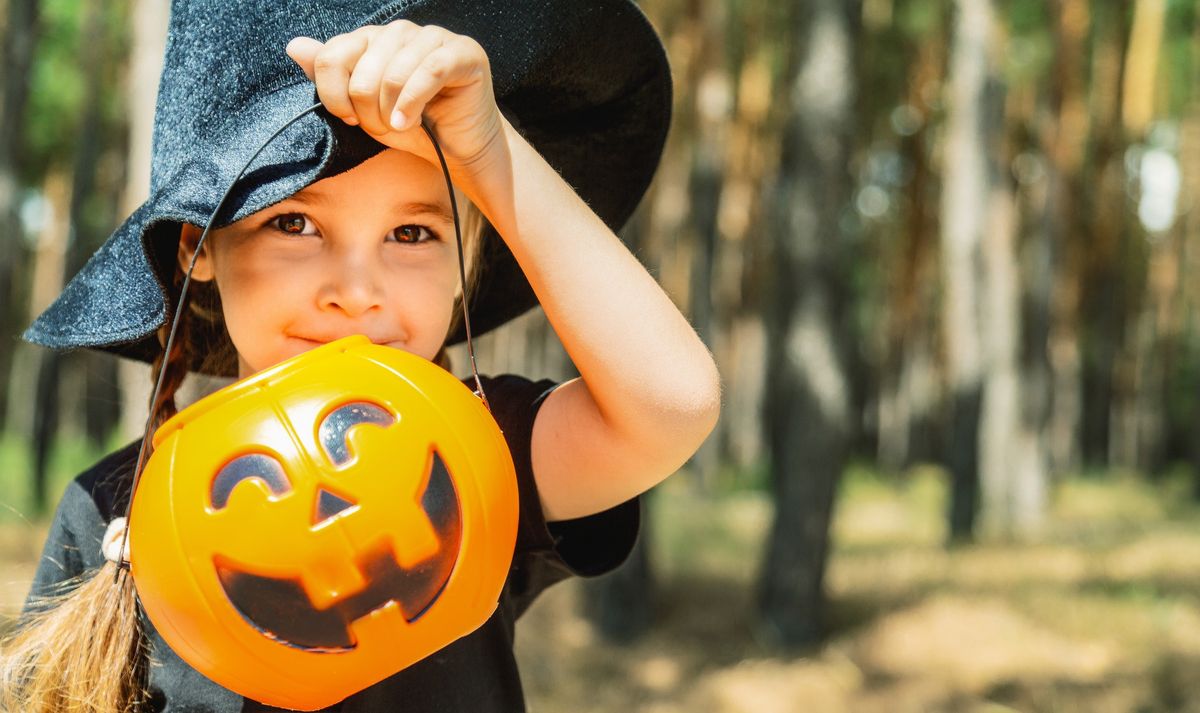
[586, 83]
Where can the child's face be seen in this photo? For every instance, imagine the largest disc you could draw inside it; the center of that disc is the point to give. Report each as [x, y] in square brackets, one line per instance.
[356, 253]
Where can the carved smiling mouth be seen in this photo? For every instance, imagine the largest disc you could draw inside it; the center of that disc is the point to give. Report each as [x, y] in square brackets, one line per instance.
[279, 607]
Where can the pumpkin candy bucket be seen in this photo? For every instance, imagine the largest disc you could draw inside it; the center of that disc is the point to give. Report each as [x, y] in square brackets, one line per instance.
[308, 531]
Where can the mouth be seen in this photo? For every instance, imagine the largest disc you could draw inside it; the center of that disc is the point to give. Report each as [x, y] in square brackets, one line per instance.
[319, 341]
[306, 343]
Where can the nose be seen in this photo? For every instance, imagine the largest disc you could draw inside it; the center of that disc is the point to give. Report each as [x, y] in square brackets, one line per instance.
[353, 283]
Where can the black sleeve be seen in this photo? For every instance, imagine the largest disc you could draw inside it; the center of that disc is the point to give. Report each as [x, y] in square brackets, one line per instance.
[72, 546]
[550, 552]
[73, 543]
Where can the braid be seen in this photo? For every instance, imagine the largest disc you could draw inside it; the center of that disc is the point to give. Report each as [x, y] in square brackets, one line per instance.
[165, 407]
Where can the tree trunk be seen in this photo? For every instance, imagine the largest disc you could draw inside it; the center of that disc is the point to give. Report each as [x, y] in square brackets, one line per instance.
[96, 418]
[45, 426]
[621, 604]
[964, 210]
[35, 393]
[145, 65]
[807, 419]
[1056, 236]
[700, 133]
[18, 42]
[1013, 463]
[1137, 432]
[739, 344]
[1182, 403]
[1141, 68]
[1103, 240]
[908, 382]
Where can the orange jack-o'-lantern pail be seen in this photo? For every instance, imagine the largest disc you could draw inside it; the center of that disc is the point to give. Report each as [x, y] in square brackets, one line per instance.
[308, 531]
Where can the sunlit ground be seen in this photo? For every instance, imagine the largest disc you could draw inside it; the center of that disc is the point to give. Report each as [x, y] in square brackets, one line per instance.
[1100, 614]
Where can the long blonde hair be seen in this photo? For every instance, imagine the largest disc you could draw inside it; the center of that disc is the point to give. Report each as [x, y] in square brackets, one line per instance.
[81, 648]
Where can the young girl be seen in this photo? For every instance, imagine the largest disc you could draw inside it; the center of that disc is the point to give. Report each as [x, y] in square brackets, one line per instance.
[346, 229]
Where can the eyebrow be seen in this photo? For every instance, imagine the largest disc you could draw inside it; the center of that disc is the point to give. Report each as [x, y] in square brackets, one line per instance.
[441, 210]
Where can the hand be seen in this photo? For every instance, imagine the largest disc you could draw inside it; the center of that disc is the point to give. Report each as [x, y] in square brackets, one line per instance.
[385, 78]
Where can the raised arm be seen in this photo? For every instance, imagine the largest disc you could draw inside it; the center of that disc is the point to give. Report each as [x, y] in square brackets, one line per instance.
[649, 392]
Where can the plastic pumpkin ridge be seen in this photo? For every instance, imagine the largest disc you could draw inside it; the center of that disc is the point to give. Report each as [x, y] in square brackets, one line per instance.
[313, 529]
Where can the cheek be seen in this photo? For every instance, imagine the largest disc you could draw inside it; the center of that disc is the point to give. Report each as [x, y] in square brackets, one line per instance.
[254, 275]
[424, 298]
[429, 282]
[246, 291]
[255, 297]
[448, 290]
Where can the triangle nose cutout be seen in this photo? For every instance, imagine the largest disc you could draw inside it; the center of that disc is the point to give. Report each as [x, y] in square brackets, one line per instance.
[330, 505]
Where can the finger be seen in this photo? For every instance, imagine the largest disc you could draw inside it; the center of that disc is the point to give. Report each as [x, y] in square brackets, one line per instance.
[331, 70]
[443, 67]
[303, 50]
[401, 67]
[366, 77]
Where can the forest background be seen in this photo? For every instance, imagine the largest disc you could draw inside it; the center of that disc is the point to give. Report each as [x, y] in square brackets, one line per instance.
[941, 250]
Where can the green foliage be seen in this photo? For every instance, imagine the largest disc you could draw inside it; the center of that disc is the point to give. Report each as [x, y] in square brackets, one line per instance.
[1027, 17]
[60, 78]
[57, 87]
[69, 457]
[919, 20]
[1180, 56]
[1029, 54]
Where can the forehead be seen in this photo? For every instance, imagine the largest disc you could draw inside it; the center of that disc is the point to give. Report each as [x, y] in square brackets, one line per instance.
[391, 179]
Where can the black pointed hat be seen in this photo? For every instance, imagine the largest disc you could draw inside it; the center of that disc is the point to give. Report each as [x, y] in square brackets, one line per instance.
[586, 83]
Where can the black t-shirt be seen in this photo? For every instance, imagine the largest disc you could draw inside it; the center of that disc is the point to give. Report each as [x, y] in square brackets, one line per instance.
[477, 673]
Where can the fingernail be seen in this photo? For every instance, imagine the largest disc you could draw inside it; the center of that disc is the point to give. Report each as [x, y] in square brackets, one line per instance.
[352, 120]
[398, 120]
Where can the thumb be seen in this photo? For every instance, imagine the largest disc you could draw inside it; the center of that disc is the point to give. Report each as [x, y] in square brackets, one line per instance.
[303, 50]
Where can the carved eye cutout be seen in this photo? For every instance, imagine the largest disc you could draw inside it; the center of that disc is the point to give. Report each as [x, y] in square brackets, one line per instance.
[333, 429]
[253, 466]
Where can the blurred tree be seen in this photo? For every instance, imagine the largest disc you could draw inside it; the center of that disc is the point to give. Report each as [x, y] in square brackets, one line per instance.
[149, 37]
[1013, 460]
[908, 382]
[1052, 171]
[36, 371]
[964, 210]
[1106, 257]
[18, 40]
[707, 96]
[807, 418]
[621, 604]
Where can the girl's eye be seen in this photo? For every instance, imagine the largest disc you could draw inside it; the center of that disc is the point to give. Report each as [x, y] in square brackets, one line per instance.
[299, 224]
[413, 234]
[291, 223]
